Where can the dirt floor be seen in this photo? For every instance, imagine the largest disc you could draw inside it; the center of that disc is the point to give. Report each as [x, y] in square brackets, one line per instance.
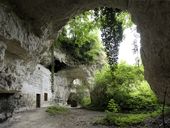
[76, 118]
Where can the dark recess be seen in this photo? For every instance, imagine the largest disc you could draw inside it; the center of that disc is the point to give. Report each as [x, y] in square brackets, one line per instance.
[58, 66]
[6, 107]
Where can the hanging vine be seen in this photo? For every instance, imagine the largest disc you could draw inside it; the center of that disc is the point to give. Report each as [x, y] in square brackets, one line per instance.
[112, 32]
[52, 67]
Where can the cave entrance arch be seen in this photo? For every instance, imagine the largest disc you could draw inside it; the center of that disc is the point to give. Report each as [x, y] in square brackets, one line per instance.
[40, 21]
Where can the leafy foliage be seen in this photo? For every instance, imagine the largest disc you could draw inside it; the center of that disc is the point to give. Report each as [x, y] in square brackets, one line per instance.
[129, 89]
[99, 96]
[112, 106]
[112, 32]
[53, 110]
[85, 101]
[120, 119]
[125, 18]
[83, 95]
[80, 39]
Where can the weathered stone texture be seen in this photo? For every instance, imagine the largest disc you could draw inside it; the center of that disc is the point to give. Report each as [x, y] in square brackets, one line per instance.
[152, 19]
[64, 81]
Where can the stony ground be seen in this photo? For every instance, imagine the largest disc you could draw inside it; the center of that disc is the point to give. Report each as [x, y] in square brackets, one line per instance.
[76, 118]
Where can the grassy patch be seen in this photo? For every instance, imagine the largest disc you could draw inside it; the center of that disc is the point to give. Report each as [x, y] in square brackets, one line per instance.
[123, 119]
[53, 110]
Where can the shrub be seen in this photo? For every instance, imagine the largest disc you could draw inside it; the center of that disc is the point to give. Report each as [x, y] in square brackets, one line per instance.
[53, 110]
[112, 106]
[99, 98]
[122, 120]
[85, 101]
[127, 88]
[99, 95]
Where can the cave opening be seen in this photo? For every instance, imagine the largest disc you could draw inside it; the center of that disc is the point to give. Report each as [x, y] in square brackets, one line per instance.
[6, 106]
[5, 95]
[72, 99]
[58, 66]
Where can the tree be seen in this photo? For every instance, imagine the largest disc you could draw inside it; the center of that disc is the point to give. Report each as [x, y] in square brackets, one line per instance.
[80, 38]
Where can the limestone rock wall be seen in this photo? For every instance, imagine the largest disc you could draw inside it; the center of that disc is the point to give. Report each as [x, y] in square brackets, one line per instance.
[152, 18]
[20, 49]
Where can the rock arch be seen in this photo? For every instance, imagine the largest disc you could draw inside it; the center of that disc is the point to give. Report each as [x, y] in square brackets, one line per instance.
[28, 27]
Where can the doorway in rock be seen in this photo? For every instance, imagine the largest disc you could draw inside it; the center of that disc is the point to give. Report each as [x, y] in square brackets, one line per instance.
[38, 100]
[7, 105]
[72, 100]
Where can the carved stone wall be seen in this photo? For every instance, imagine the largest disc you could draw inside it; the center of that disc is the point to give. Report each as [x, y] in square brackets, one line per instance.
[38, 83]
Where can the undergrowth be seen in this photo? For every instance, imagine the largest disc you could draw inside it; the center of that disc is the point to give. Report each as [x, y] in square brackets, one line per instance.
[129, 119]
[53, 110]
[122, 119]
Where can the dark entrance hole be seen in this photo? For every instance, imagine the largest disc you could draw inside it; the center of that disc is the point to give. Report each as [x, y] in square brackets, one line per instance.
[58, 66]
[7, 106]
[73, 100]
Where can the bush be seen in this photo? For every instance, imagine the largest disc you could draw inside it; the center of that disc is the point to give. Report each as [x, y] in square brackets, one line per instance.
[99, 95]
[99, 99]
[112, 106]
[85, 101]
[53, 110]
[127, 88]
[122, 120]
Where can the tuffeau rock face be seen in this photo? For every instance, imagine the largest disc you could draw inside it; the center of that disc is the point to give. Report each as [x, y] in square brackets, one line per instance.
[28, 27]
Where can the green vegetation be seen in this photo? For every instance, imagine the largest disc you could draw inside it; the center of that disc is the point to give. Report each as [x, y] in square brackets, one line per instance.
[80, 97]
[112, 33]
[85, 101]
[126, 91]
[112, 106]
[125, 95]
[80, 39]
[123, 119]
[129, 119]
[53, 110]
[126, 20]
[83, 97]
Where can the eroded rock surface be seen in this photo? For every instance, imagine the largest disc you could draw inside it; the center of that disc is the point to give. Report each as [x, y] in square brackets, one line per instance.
[152, 19]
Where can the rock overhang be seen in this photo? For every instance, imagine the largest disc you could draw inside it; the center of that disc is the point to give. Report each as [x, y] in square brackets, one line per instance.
[33, 23]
